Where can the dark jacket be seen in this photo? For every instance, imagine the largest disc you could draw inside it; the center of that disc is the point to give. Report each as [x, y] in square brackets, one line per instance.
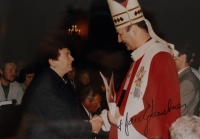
[51, 110]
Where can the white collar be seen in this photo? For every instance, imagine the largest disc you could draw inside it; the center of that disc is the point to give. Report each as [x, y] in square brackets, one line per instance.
[139, 52]
[183, 70]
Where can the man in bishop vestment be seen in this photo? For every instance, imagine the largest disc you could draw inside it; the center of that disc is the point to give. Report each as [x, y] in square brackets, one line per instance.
[149, 98]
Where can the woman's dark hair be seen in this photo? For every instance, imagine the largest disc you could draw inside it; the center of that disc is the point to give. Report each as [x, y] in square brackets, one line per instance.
[22, 74]
[53, 42]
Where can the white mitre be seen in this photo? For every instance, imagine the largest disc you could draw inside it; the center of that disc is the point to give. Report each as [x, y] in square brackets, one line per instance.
[129, 12]
[125, 16]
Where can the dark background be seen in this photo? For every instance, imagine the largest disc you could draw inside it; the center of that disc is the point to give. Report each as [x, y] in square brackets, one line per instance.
[24, 22]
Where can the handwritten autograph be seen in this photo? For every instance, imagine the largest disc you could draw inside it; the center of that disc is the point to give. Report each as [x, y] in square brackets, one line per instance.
[147, 117]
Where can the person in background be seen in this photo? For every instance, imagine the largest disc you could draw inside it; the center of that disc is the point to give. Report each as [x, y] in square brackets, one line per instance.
[185, 127]
[194, 64]
[71, 81]
[189, 83]
[83, 82]
[25, 77]
[9, 88]
[84, 77]
[90, 102]
[71, 77]
[151, 85]
[50, 108]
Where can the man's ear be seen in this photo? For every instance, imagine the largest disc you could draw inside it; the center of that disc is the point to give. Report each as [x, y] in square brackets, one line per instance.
[183, 57]
[134, 29]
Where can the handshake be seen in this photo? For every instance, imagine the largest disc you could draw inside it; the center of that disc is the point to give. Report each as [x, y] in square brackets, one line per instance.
[104, 120]
[97, 123]
[107, 117]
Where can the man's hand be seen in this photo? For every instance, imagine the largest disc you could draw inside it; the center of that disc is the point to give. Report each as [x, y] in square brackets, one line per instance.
[114, 119]
[96, 122]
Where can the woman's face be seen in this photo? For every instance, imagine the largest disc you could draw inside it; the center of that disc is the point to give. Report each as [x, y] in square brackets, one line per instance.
[85, 78]
[64, 62]
[29, 78]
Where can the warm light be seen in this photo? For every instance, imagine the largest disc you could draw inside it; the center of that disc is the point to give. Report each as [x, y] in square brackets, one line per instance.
[74, 31]
[79, 31]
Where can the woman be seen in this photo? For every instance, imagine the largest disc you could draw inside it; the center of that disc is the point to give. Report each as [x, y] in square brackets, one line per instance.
[25, 77]
[50, 105]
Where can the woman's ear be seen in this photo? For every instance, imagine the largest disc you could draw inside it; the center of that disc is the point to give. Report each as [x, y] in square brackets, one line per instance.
[51, 62]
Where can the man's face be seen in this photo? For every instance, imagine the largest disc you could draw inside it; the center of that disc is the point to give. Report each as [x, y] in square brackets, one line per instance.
[179, 62]
[93, 105]
[127, 37]
[9, 73]
[71, 74]
[85, 78]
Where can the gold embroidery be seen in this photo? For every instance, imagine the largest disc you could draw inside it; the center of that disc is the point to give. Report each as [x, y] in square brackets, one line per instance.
[138, 82]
